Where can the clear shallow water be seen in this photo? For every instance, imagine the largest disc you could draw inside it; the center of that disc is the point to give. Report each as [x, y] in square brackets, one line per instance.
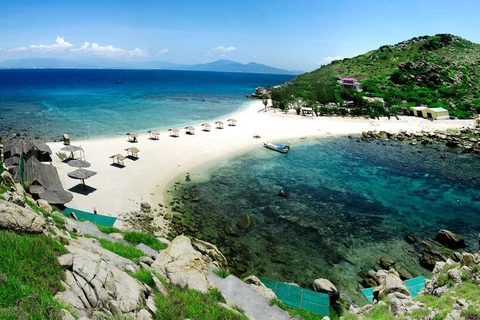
[348, 204]
[89, 103]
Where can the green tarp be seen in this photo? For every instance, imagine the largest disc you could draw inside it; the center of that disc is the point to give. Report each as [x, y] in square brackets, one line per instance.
[95, 218]
[296, 297]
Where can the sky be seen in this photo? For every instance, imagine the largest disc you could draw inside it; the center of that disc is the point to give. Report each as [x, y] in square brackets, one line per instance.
[293, 35]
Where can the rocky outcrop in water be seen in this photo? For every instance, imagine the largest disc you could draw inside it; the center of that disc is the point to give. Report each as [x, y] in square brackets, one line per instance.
[468, 139]
[450, 239]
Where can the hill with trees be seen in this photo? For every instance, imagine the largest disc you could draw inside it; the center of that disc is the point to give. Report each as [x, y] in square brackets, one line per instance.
[436, 71]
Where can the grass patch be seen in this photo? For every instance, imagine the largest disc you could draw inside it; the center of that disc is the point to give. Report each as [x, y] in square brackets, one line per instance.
[121, 249]
[144, 276]
[29, 276]
[221, 272]
[295, 312]
[187, 303]
[145, 238]
[108, 230]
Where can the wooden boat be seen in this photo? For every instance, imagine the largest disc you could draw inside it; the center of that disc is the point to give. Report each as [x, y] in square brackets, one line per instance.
[277, 147]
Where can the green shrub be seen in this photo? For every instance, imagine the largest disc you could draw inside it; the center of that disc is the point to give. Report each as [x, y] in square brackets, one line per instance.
[293, 311]
[144, 276]
[108, 230]
[30, 276]
[145, 238]
[121, 249]
[221, 272]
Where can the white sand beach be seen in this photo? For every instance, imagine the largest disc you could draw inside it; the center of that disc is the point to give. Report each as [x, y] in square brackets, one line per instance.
[121, 190]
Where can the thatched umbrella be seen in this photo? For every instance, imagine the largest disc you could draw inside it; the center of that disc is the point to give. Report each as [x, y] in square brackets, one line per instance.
[79, 163]
[72, 149]
[206, 126]
[119, 157]
[36, 189]
[232, 121]
[153, 134]
[81, 174]
[174, 132]
[134, 151]
[132, 136]
[190, 130]
[56, 196]
[219, 124]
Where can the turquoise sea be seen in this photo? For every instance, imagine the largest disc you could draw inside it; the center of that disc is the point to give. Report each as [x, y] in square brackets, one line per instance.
[348, 203]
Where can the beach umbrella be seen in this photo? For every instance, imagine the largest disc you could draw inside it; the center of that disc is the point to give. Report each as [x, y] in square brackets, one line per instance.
[232, 121]
[81, 174]
[56, 196]
[174, 132]
[153, 134]
[190, 130]
[71, 148]
[132, 136]
[36, 189]
[219, 124]
[79, 163]
[206, 126]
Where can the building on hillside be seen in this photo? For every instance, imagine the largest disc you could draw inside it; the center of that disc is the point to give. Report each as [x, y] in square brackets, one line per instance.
[375, 99]
[350, 83]
[305, 111]
[418, 111]
[437, 113]
[429, 113]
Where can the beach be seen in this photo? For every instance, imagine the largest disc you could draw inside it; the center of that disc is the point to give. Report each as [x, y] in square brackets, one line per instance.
[116, 190]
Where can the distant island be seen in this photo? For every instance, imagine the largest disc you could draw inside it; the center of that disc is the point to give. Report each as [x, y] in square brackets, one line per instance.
[216, 66]
[438, 72]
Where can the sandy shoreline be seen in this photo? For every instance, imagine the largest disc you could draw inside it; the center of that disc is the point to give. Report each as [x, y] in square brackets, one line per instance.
[120, 190]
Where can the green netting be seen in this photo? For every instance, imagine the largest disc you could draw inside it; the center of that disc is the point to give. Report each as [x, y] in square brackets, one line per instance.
[415, 285]
[368, 293]
[96, 218]
[296, 297]
[20, 173]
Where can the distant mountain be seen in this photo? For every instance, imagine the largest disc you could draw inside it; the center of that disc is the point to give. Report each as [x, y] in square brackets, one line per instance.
[218, 66]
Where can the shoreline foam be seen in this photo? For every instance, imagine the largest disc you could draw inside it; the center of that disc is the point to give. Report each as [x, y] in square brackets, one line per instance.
[161, 162]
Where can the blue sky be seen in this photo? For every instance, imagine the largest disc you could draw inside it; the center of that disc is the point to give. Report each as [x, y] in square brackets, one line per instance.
[294, 35]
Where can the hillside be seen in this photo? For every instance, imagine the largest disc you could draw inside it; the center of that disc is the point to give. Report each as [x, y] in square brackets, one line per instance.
[437, 71]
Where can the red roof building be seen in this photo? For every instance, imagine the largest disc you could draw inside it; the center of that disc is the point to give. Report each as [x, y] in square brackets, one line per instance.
[351, 83]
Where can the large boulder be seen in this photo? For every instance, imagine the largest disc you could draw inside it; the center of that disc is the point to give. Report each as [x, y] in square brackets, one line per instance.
[450, 239]
[18, 218]
[182, 265]
[213, 257]
[96, 279]
[391, 283]
[325, 286]
[7, 180]
[260, 287]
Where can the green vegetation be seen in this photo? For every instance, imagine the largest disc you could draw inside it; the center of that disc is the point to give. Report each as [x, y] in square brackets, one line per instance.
[222, 272]
[144, 276]
[121, 249]
[437, 71]
[29, 276]
[108, 230]
[192, 304]
[145, 238]
[295, 312]
[59, 222]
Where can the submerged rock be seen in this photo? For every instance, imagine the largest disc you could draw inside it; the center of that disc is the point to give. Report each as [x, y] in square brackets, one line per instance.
[245, 223]
[450, 239]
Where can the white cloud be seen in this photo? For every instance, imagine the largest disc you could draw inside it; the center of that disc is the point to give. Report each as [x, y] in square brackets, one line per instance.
[163, 52]
[60, 45]
[221, 51]
[109, 51]
[328, 59]
[17, 49]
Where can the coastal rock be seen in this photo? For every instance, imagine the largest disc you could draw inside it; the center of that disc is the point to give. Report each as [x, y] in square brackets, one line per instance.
[44, 205]
[245, 222]
[325, 286]
[392, 283]
[468, 260]
[385, 262]
[260, 287]
[94, 280]
[450, 239]
[13, 217]
[214, 258]
[182, 265]
[7, 180]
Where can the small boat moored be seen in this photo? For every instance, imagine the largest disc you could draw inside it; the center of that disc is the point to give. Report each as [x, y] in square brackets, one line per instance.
[282, 148]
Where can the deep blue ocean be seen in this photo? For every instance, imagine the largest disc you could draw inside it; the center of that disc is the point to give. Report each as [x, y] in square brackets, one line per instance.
[91, 104]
